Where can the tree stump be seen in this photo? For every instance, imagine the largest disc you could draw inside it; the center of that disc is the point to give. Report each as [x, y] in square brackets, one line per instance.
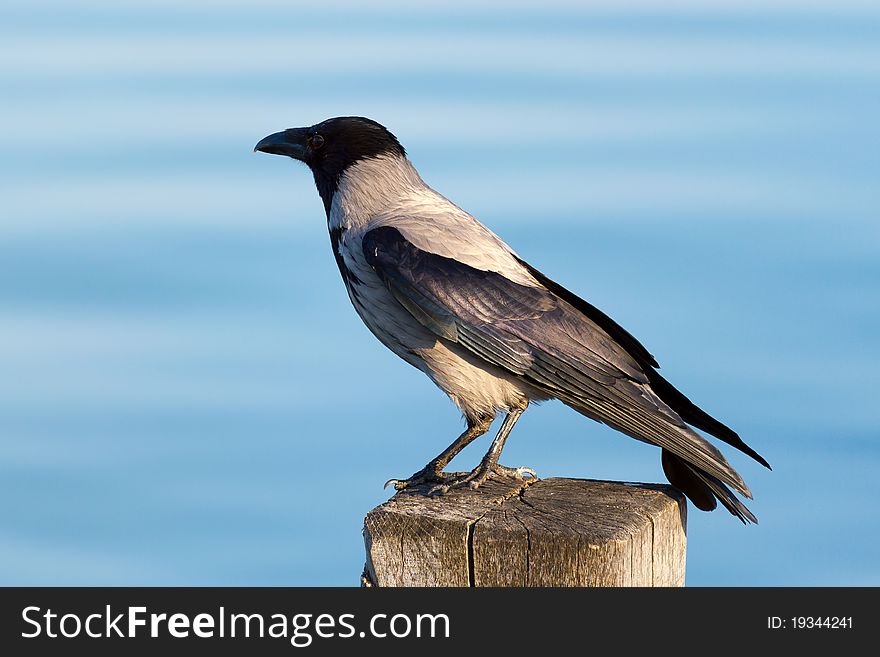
[550, 532]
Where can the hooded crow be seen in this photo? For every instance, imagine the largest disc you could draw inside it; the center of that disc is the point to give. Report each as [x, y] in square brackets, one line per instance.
[448, 296]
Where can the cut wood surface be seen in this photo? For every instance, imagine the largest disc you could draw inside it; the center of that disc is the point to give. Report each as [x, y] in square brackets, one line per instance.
[549, 532]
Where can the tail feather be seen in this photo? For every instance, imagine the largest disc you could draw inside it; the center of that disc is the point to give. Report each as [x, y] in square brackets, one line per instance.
[701, 488]
[694, 415]
[680, 476]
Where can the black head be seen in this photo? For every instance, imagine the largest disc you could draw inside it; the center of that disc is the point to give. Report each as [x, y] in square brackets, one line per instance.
[330, 147]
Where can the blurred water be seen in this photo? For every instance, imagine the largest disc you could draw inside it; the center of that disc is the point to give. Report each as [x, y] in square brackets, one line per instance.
[187, 396]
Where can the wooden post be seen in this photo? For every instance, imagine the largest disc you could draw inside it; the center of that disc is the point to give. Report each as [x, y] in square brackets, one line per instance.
[551, 532]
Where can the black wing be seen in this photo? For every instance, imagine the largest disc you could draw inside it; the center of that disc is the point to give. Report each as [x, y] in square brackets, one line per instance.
[534, 333]
[674, 398]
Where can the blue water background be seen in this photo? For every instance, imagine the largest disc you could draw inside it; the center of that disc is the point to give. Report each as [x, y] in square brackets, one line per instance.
[188, 398]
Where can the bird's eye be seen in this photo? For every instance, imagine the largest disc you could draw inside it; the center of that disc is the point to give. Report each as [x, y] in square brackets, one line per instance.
[316, 141]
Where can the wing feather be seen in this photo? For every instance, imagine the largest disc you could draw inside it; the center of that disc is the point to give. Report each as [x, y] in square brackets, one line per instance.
[533, 333]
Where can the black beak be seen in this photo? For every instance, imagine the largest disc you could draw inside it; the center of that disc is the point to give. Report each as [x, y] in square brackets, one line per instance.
[290, 142]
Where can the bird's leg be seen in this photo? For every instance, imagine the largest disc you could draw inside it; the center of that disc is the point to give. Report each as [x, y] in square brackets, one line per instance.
[489, 465]
[433, 472]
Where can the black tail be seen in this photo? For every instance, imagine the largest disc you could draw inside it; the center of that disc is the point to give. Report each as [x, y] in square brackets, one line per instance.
[702, 489]
[687, 410]
[694, 415]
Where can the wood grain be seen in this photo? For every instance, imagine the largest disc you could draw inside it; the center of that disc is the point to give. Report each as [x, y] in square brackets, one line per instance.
[551, 532]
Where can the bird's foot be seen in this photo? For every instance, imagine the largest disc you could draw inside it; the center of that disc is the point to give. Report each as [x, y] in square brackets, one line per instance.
[479, 476]
[427, 475]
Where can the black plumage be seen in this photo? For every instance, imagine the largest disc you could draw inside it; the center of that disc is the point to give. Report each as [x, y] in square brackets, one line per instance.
[565, 347]
[494, 333]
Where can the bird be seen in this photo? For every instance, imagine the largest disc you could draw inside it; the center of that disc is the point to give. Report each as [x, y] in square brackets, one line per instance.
[451, 298]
